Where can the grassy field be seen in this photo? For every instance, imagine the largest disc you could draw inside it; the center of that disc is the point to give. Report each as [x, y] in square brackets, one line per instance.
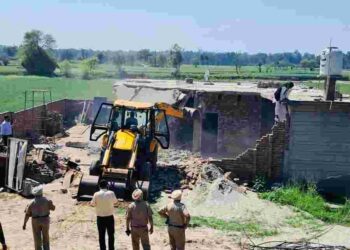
[309, 201]
[145, 71]
[13, 81]
[341, 86]
[12, 89]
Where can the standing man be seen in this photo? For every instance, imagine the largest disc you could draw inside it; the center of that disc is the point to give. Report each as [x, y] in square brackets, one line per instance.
[6, 129]
[281, 97]
[2, 239]
[39, 210]
[139, 215]
[104, 201]
[178, 219]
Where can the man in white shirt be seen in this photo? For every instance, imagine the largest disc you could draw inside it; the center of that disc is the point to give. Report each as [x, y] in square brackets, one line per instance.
[281, 98]
[6, 129]
[104, 201]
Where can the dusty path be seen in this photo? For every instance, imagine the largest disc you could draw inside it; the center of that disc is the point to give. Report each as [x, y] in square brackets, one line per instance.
[74, 226]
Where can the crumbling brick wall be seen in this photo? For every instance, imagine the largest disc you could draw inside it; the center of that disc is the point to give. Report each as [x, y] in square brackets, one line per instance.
[265, 159]
[239, 119]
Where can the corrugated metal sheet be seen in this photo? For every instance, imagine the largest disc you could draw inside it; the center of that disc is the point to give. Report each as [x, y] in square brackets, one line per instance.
[319, 146]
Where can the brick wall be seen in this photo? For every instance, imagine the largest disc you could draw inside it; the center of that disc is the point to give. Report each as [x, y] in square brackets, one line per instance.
[23, 121]
[265, 159]
[239, 124]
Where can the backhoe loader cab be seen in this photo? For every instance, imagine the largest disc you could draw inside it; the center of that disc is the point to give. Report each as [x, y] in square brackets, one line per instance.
[130, 133]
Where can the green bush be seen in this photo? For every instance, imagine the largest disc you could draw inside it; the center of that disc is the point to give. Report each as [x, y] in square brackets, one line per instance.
[66, 69]
[260, 184]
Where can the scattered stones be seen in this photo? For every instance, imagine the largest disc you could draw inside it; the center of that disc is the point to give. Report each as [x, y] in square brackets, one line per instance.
[211, 172]
[184, 187]
[227, 176]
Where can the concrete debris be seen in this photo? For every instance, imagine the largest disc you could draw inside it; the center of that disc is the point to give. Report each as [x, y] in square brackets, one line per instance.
[42, 146]
[266, 85]
[211, 173]
[43, 165]
[28, 185]
[81, 145]
[189, 80]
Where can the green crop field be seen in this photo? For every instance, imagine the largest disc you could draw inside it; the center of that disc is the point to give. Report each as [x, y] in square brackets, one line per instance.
[224, 73]
[12, 89]
[13, 81]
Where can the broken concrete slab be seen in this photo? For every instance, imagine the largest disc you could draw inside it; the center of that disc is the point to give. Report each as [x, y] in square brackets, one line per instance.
[81, 145]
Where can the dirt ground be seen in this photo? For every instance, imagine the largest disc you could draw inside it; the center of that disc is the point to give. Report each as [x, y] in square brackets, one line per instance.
[73, 225]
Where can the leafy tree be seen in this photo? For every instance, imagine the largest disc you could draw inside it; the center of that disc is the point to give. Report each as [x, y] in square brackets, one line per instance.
[204, 59]
[144, 55]
[152, 60]
[11, 51]
[101, 57]
[66, 68]
[119, 60]
[35, 53]
[309, 63]
[176, 59]
[162, 60]
[4, 60]
[66, 54]
[195, 63]
[88, 66]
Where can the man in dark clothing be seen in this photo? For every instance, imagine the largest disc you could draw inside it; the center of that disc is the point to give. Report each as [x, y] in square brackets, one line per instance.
[2, 239]
[131, 120]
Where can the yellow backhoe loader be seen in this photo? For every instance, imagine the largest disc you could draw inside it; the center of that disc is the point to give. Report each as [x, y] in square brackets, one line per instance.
[130, 134]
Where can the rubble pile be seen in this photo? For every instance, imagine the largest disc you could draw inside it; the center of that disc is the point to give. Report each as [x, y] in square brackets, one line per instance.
[53, 123]
[185, 164]
[270, 84]
[43, 165]
[217, 191]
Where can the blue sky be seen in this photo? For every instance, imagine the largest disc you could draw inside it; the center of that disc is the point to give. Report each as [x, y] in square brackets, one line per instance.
[222, 25]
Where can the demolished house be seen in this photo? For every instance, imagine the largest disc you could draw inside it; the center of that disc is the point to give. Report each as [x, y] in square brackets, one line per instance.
[234, 124]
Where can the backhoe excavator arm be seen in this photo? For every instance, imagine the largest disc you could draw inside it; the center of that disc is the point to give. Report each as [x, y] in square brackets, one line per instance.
[170, 110]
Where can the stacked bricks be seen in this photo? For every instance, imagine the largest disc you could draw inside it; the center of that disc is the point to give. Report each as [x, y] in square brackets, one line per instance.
[265, 159]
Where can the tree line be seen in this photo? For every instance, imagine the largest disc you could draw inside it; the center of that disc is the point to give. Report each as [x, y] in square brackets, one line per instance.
[39, 55]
